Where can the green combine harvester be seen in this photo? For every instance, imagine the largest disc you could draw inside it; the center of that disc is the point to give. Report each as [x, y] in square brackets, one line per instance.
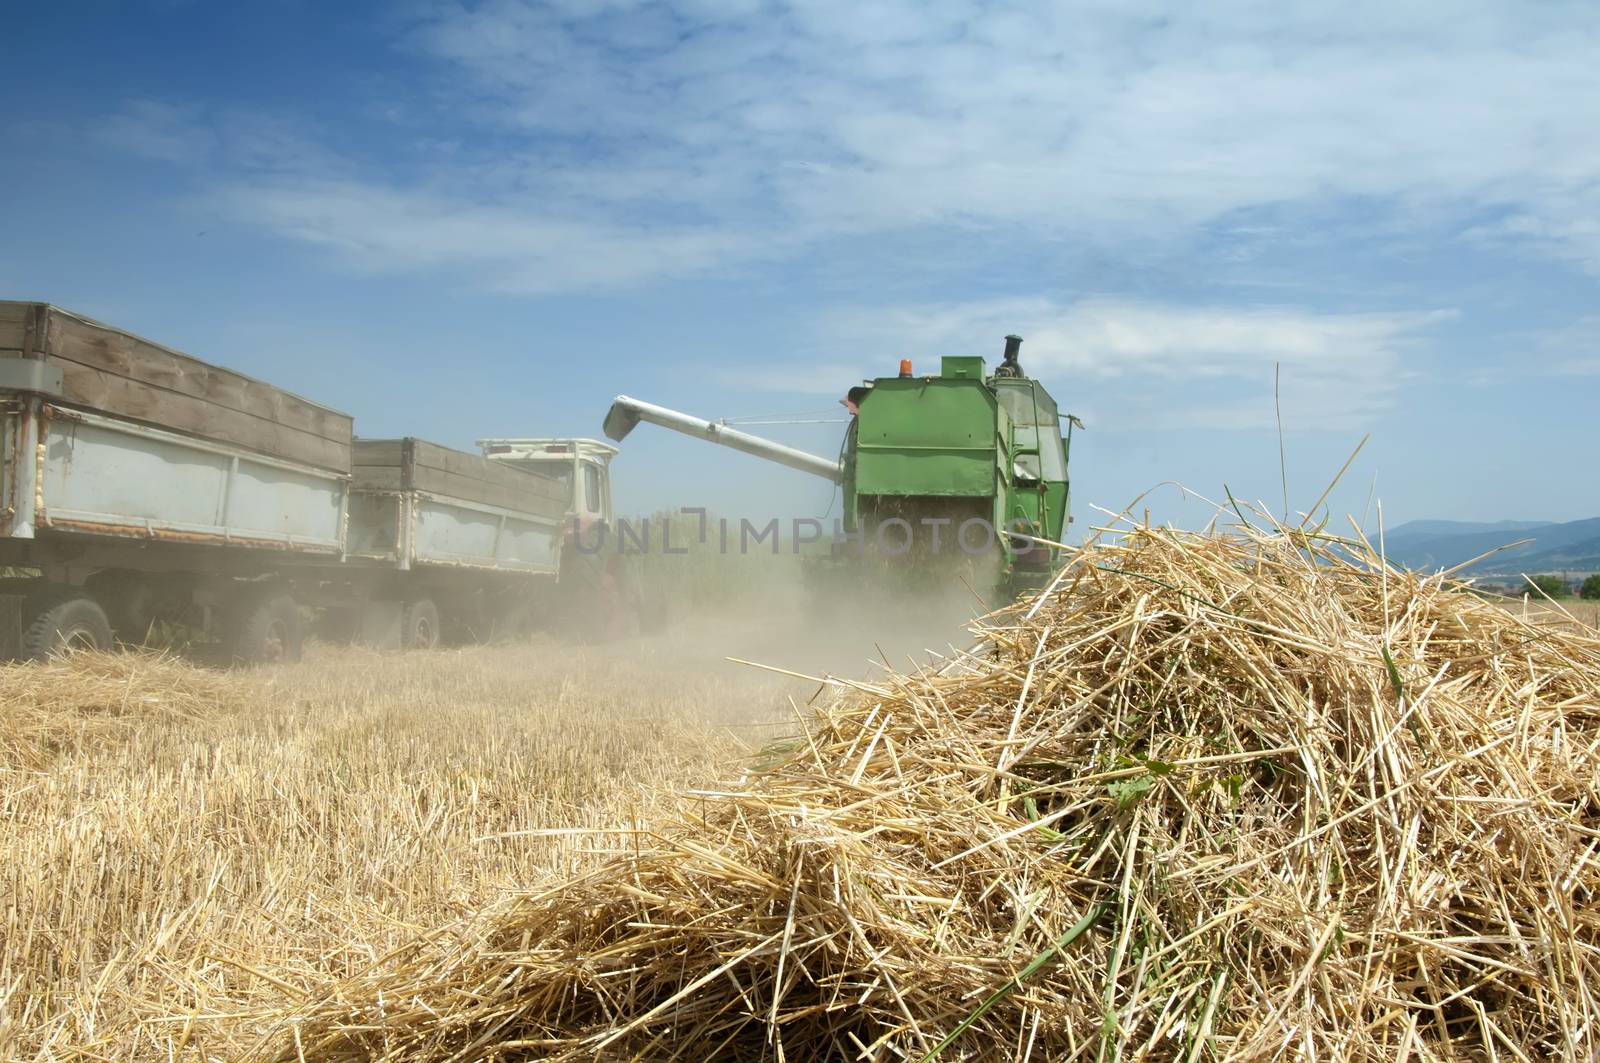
[963, 472]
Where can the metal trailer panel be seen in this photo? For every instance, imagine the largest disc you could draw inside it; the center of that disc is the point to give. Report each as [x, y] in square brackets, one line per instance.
[16, 447]
[417, 529]
[97, 475]
[449, 531]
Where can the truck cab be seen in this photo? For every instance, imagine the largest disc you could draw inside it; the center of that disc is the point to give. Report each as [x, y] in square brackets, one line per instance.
[602, 593]
[581, 466]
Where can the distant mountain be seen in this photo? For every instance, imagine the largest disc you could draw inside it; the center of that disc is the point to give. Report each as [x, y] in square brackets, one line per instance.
[1434, 529]
[1434, 544]
[1582, 556]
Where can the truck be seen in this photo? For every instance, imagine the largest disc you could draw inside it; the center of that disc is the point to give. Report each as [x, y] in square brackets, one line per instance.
[959, 470]
[143, 487]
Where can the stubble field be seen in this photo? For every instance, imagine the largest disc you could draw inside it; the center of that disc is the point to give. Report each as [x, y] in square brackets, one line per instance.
[1582, 613]
[186, 849]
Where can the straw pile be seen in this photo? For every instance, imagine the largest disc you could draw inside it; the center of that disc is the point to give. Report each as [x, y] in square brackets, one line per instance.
[1207, 798]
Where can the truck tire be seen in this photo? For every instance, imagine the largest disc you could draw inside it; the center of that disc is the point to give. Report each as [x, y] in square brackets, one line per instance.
[653, 609]
[419, 625]
[129, 603]
[65, 621]
[338, 623]
[515, 621]
[266, 629]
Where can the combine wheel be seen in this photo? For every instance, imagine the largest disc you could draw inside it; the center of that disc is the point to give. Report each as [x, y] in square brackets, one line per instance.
[419, 625]
[65, 621]
[266, 628]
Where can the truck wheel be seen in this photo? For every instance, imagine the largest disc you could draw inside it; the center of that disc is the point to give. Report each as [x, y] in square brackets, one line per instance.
[267, 630]
[338, 623]
[654, 613]
[129, 602]
[65, 622]
[516, 621]
[419, 625]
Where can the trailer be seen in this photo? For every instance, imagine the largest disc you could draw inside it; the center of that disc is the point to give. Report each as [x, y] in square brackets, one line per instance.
[453, 537]
[140, 486]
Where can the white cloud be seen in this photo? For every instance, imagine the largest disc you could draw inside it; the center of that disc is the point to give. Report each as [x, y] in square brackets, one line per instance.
[503, 247]
[1163, 365]
[1102, 119]
[792, 376]
[1572, 350]
[155, 130]
[1565, 223]
[613, 143]
[203, 138]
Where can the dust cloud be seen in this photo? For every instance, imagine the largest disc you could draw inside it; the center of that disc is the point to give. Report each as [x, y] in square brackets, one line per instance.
[748, 641]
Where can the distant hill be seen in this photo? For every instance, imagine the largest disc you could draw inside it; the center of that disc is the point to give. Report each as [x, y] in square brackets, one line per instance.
[1434, 529]
[1434, 544]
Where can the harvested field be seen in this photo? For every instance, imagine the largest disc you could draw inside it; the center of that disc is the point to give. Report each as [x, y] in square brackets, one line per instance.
[1571, 612]
[187, 850]
[1207, 799]
[1586, 614]
[1211, 799]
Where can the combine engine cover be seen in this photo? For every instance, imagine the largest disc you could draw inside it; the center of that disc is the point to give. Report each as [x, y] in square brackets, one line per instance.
[940, 452]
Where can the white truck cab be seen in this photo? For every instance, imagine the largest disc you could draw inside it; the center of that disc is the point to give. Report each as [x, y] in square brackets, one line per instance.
[600, 592]
[582, 466]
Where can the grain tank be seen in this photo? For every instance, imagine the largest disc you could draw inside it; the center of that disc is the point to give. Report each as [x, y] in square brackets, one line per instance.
[935, 468]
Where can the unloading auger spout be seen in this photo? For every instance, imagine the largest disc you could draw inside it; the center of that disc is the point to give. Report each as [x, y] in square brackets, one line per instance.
[625, 413]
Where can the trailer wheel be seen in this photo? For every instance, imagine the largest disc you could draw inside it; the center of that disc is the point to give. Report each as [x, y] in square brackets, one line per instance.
[515, 621]
[266, 630]
[338, 623]
[652, 608]
[419, 625]
[64, 622]
[129, 602]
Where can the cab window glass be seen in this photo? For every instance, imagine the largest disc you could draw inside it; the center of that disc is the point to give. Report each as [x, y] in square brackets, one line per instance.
[560, 472]
[591, 488]
[1034, 424]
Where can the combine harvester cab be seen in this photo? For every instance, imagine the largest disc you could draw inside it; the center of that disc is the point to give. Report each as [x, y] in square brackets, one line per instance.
[959, 473]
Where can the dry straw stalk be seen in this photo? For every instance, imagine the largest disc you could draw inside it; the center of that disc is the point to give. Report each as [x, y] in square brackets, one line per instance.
[185, 852]
[1216, 797]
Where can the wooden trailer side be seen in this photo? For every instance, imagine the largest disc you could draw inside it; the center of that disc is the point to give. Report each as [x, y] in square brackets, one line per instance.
[416, 465]
[115, 372]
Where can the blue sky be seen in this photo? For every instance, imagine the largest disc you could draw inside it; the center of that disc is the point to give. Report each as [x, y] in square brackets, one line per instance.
[455, 220]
